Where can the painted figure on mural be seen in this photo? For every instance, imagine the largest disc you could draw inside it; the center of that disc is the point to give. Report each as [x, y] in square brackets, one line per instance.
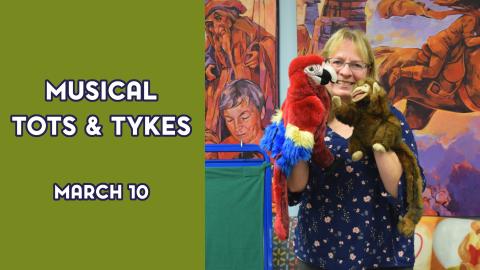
[236, 48]
[242, 110]
[440, 75]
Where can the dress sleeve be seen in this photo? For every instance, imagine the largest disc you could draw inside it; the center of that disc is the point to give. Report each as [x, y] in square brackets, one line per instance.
[316, 177]
[400, 203]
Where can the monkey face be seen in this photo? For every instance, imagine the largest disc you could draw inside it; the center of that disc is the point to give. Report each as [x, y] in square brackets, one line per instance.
[366, 92]
[361, 92]
[321, 74]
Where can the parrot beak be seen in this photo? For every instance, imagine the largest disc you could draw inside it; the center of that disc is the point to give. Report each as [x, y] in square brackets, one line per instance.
[328, 74]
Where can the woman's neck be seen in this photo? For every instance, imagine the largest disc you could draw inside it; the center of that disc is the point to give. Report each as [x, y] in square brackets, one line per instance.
[340, 128]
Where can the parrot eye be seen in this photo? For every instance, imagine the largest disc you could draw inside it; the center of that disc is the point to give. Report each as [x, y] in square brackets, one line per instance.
[310, 69]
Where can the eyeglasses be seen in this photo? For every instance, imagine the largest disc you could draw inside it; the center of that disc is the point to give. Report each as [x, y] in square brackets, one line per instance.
[355, 66]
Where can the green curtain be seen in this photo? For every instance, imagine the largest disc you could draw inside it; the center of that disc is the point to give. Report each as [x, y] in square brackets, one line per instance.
[234, 218]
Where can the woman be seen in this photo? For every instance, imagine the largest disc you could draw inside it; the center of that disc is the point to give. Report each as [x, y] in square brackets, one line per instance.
[348, 215]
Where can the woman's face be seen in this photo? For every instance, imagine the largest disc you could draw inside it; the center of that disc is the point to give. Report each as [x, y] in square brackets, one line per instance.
[347, 75]
[244, 122]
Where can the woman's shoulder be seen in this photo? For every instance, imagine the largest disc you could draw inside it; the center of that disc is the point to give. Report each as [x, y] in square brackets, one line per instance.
[398, 114]
[407, 133]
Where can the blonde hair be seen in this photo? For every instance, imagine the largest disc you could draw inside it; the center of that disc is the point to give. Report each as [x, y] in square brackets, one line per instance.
[360, 41]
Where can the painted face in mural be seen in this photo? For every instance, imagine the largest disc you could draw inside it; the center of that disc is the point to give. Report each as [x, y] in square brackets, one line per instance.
[218, 23]
[346, 56]
[244, 122]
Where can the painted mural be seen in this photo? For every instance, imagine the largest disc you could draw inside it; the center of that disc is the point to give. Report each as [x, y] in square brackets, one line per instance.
[447, 244]
[241, 84]
[428, 52]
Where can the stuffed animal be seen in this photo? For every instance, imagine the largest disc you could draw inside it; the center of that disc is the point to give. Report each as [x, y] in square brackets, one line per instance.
[297, 130]
[377, 129]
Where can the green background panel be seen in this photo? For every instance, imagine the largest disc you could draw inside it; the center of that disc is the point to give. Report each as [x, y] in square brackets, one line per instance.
[234, 217]
[157, 40]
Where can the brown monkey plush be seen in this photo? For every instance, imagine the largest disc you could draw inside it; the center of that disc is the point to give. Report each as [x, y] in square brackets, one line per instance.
[377, 129]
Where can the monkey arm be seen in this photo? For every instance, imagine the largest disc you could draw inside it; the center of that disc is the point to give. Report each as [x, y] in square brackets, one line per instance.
[381, 138]
[344, 112]
[402, 177]
[388, 133]
[384, 159]
[355, 145]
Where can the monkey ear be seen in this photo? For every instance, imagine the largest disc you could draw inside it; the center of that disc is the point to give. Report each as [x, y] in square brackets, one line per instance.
[376, 91]
[379, 90]
[376, 88]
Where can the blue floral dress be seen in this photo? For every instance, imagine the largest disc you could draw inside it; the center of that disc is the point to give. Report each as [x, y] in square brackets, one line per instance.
[348, 220]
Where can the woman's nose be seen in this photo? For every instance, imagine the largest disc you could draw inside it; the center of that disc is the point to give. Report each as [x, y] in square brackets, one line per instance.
[238, 125]
[345, 71]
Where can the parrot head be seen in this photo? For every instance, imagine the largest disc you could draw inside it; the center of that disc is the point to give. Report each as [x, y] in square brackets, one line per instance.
[316, 70]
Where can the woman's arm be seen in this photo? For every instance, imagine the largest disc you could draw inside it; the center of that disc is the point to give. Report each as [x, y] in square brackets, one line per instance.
[390, 170]
[298, 179]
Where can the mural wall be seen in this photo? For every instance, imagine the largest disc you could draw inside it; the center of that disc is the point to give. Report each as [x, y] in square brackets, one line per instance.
[428, 52]
[429, 63]
[241, 84]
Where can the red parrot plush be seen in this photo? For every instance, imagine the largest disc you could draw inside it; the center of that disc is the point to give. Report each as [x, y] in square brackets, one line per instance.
[297, 130]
